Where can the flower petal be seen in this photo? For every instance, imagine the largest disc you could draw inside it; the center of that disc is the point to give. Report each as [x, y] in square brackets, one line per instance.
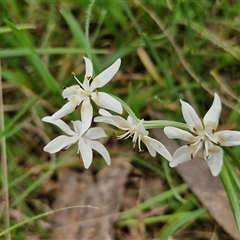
[97, 146]
[157, 146]
[86, 115]
[61, 124]
[104, 100]
[215, 160]
[86, 153]
[211, 118]
[140, 128]
[226, 138]
[69, 107]
[95, 133]
[70, 92]
[104, 77]
[176, 133]
[60, 143]
[89, 69]
[150, 149]
[77, 125]
[191, 118]
[114, 120]
[181, 155]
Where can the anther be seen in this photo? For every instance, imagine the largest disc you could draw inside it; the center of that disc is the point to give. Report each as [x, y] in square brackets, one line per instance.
[73, 73]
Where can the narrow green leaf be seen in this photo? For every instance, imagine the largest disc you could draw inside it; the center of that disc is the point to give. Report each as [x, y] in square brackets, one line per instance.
[4, 232]
[34, 59]
[232, 155]
[232, 192]
[49, 51]
[181, 219]
[12, 123]
[155, 200]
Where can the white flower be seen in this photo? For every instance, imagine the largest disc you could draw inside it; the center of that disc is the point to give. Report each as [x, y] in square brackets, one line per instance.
[136, 131]
[83, 92]
[86, 141]
[204, 139]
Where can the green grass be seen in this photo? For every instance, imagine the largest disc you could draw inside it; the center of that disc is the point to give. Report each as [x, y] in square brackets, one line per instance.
[194, 51]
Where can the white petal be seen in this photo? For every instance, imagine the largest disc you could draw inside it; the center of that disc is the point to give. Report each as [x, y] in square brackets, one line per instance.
[77, 126]
[211, 118]
[140, 128]
[86, 115]
[181, 155]
[104, 112]
[104, 77]
[158, 147]
[89, 69]
[95, 133]
[69, 92]
[104, 100]
[69, 107]
[114, 120]
[191, 118]
[151, 150]
[227, 138]
[59, 143]
[86, 153]
[61, 124]
[131, 121]
[176, 133]
[97, 146]
[215, 159]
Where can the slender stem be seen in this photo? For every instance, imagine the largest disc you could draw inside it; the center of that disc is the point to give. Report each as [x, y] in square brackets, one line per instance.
[87, 27]
[165, 123]
[4, 162]
[6, 231]
[153, 123]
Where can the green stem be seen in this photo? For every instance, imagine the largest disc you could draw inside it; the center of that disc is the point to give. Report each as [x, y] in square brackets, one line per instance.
[87, 26]
[164, 123]
[153, 123]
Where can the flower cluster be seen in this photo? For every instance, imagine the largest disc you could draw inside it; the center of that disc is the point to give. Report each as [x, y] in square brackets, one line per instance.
[202, 139]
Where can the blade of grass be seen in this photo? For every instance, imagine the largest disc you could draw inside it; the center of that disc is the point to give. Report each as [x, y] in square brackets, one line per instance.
[149, 45]
[181, 219]
[4, 166]
[19, 26]
[170, 181]
[35, 60]
[47, 51]
[233, 192]
[19, 115]
[6, 231]
[37, 183]
[157, 199]
[78, 34]
[232, 155]
[215, 39]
